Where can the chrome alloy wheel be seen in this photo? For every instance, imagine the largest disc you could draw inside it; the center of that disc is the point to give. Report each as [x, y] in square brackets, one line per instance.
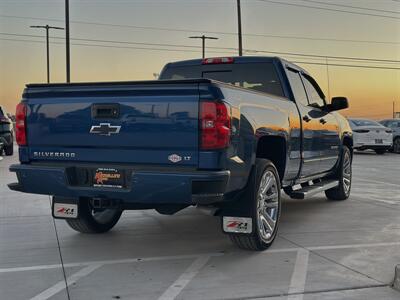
[267, 206]
[347, 172]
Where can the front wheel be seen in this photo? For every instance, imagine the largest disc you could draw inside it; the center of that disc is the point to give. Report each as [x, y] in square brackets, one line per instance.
[94, 220]
[396, 145]
[264, 195]
[344, 175]
[380, 151]
[9, 150]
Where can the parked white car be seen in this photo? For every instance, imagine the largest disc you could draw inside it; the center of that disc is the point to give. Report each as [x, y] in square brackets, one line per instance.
[394, 125]
[368, 134]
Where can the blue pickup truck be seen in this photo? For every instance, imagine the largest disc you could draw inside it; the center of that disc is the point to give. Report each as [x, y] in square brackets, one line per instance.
[225, 134]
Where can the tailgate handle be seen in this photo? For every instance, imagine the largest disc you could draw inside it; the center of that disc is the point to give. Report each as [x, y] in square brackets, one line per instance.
[105, 111]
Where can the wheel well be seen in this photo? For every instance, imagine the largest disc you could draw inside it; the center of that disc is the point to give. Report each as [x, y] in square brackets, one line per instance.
[274, 149]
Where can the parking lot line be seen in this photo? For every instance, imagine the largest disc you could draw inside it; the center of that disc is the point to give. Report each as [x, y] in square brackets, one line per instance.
[107, 262]
[378, 182]
[189, 256]
[59, 286]
[299, 275]
[352, 246]
[174, 290]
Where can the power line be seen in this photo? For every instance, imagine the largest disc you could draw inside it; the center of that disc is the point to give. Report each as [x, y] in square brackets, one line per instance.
[343, 65]
[188, 50]
[350, 6]
[201, 31]
[109, 46]
[329, 9]
[219, 48]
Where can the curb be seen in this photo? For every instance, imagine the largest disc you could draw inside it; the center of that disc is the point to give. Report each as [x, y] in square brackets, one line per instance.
[396, 281]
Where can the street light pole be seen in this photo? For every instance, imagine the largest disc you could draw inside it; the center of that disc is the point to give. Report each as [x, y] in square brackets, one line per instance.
[203, 42]
[239, 28]
[47, 27]
[68, 62]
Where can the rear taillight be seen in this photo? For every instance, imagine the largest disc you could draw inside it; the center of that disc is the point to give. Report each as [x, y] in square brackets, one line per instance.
[388, 131]
[361, 130]
[215, 125]
[217, 60]
[20, 124]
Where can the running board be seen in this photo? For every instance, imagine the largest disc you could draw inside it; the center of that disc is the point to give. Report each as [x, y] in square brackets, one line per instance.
[310, 190]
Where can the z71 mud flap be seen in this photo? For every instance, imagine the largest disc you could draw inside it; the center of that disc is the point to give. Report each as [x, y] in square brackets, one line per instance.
[237, 225]
[64, 208]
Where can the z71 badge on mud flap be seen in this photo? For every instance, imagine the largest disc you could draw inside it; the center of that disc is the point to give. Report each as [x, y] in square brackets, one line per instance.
[237, 225]
[65, 211]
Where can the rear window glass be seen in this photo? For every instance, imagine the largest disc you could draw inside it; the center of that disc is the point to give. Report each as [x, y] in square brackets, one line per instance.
[364, 123]
[260, 77]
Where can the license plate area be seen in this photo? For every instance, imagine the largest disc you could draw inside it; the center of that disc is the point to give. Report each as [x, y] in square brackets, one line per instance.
[378, 141]
[109, 177]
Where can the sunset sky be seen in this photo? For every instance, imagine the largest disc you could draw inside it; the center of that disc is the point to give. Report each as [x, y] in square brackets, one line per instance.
[301, 30]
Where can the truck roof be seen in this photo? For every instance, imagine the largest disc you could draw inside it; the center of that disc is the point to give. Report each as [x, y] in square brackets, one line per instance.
[241, 59]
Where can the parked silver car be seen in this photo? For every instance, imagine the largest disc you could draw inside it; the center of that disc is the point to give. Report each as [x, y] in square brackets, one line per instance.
[368, 134]
[394, 125]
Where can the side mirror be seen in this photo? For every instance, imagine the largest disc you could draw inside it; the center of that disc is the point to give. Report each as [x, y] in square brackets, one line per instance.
[338, 103]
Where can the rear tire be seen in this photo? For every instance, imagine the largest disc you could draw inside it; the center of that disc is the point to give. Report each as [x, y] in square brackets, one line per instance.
[263, 193]
[9, 150]
[396, 145]
[380, 151]
[94, 221]
[344, 175]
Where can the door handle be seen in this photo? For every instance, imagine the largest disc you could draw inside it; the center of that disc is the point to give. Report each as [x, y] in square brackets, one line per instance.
[322, 120]
[306, 118]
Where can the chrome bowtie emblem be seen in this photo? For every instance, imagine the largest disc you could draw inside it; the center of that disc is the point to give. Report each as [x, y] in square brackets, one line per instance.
[105, 129]
[174, 158]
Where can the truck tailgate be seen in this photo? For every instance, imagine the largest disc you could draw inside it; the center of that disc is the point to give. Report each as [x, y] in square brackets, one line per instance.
[151, 122]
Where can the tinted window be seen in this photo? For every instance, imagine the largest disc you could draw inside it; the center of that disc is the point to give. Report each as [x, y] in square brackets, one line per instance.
[393, 124]
[176, 73]
[364, 123]
[314, 96]
[297, 87]
[1, 112]
[260, 77]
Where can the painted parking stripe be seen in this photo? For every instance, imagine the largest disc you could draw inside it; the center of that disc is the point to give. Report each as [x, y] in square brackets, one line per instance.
[59, 286]
[174, 290]
[299, 275]
[133, 260]
[353, 246]
[107, 262]
[378, 182]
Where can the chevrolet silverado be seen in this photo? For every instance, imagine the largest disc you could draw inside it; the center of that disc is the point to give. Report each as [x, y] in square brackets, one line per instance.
[226, 134]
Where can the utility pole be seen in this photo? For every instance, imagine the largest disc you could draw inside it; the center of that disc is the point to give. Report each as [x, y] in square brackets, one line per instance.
[68, 62]
[203, 42]
[394, 113]
[239, 28]
[47, 27]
